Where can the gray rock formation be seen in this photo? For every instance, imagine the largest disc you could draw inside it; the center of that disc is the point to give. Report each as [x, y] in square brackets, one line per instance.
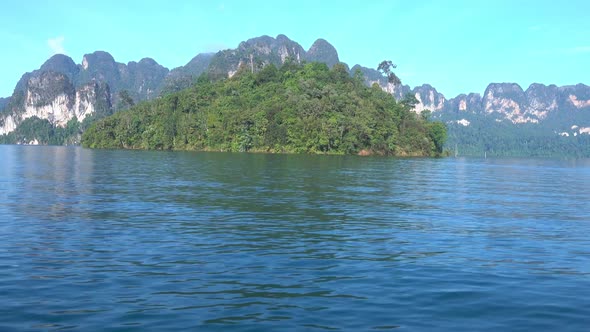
[61, 90]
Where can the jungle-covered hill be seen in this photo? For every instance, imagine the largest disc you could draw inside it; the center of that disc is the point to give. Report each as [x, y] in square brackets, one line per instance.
[297, 108]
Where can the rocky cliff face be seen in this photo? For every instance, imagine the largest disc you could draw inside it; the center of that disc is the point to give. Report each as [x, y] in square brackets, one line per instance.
[92, 97]
[574, 97]
[53, 97]
[428, 99]
[3, 103]
[61, 89]
[184, 76]
[48, 95]
[538, 104]
[141, 79]
[254, 54]
[507, 99]
[502, 101]
[372, 76]
[541, 99]
[463, 103]
[322, 51]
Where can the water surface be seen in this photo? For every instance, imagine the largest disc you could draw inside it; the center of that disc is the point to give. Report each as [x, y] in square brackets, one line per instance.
[154, 241]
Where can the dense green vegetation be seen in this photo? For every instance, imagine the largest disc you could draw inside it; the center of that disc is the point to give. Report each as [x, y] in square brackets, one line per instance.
[486, 136]
[295, 109]
[43, 132]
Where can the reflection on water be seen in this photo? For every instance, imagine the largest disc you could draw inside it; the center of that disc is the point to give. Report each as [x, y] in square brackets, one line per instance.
[118, 240]
[51, 180]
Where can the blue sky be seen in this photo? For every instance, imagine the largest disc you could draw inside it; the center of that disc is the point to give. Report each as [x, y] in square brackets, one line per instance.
[457, 46]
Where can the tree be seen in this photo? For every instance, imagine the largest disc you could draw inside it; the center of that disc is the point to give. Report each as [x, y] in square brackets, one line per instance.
[125, 100]
[438, 134]
[410, 101]
[385, 67]
[426, 114]
[296, 109]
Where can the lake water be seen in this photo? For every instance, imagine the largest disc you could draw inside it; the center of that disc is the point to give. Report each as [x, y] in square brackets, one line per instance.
[164, 241]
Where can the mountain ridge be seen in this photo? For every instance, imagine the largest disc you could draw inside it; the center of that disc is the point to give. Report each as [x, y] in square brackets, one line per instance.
[563, 106]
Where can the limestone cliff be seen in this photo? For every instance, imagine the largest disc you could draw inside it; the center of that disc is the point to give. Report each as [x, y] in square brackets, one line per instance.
[322, 51]
[53, 97]
[539, 103]
[372, 76]
[254, 54]
[60, 89]
[428, 99]
[464, 103]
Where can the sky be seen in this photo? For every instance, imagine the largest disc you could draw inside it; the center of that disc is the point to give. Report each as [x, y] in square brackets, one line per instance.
[456, 46]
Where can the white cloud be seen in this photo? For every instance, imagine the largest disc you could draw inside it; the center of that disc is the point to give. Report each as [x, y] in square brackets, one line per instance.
[56, 45]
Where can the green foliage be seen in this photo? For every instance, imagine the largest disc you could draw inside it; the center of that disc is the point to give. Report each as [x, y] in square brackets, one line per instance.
[488, 135]
[297, 108]
[385, 68]
[41, 131]
[438, 134]
[125, 100]
[410, 101]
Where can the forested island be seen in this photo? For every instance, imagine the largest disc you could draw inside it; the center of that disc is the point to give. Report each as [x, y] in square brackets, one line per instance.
[56, 103]
[296, 108]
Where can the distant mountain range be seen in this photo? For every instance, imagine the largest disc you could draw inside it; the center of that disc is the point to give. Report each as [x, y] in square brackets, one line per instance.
[61, 90]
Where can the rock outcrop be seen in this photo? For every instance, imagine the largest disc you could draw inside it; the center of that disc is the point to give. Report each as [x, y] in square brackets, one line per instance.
[372, 76]
[539, 103]
[428, 99]
[53, 97]
[3, 103]
[464, 103]
[61, 90]
[254, 54]
[322, 51]
[182, 77]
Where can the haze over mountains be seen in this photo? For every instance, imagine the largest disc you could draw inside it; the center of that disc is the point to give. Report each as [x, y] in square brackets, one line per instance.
[61, 90]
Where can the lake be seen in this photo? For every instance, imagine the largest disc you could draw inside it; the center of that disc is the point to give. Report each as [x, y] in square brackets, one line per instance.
[161, 241]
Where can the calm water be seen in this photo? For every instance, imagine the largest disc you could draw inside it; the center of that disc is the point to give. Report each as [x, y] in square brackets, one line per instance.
[156, 241]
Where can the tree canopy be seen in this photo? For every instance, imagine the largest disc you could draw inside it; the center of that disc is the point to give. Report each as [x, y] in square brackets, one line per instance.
[386, 69]
[297, 108]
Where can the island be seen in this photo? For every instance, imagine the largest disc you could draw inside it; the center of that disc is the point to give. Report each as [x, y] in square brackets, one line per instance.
[295, 108]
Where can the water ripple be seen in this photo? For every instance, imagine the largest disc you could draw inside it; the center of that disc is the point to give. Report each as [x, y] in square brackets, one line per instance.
[151, 241]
